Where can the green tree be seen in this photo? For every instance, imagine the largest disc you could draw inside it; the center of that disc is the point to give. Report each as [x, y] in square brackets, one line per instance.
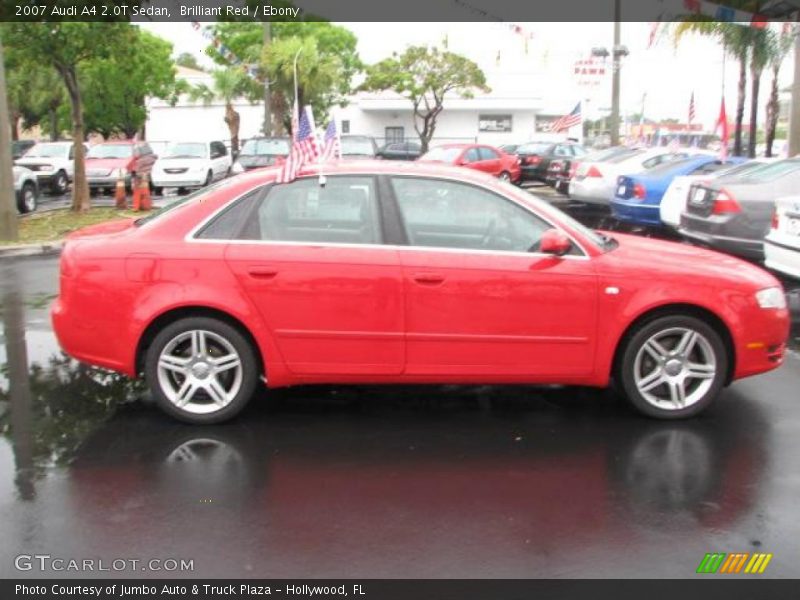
[116, 86]
[66, 47]
[229, 84]
[188, 60]
[326, 66]
[761, 43]
[426, 76]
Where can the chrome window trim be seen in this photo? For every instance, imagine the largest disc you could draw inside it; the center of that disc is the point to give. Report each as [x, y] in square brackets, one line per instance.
[190, 237]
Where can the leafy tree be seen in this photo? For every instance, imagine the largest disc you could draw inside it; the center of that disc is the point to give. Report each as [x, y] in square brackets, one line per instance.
[326, 66]
[115, 87]
[66, 47]
[781, 44]
[188, 60]
[229, 84]
[426, 76]
[761, 43]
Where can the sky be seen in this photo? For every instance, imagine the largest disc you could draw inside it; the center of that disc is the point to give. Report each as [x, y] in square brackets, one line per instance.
[664, 76]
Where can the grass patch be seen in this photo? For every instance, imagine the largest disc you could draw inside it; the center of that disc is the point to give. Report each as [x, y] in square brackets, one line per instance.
[54, 225]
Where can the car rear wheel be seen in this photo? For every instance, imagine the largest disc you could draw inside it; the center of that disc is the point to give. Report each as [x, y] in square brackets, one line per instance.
[673, 367]
[201, 370]
[504, 176]
[27, 201]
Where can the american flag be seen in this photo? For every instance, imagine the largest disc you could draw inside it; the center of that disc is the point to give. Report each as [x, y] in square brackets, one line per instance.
[567, 121]
[304, 148]
[691, 109]
[331, 146]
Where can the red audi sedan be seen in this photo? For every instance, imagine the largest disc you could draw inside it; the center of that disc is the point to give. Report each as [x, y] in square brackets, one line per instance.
[479, 157]
[384, 272]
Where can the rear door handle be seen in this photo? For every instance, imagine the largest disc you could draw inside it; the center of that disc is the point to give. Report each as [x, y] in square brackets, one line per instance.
[262, 272]
[428, 278]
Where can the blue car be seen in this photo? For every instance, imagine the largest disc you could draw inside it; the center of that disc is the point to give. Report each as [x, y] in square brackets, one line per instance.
[637, 197]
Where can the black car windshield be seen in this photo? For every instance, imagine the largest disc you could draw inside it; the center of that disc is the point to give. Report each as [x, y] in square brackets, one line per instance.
[110, 151]
[359, 146]
[185, 150]
[443, 153]
[266, 147]
[534, 148]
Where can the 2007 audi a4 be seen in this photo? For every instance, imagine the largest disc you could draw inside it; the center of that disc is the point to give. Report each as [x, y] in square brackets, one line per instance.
[405, 273]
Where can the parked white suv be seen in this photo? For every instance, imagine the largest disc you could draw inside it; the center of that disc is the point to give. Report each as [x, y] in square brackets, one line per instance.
[53, 163]
[187, 165]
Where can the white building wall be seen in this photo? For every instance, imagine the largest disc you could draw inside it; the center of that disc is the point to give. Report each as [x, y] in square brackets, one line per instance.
[197, 122]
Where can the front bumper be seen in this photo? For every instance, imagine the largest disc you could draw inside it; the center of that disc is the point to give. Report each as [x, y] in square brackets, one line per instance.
[107, 181]
[180, 180]
[760, 342]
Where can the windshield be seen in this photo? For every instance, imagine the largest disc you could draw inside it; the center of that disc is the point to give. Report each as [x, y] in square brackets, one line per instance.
[48, 151]
[268, 147]
[110, 151]
[362, 146]
[443, 154]
[534, 148]
[185, 150]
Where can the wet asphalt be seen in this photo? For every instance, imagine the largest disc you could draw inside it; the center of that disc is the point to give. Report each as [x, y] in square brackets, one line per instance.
[410, 481]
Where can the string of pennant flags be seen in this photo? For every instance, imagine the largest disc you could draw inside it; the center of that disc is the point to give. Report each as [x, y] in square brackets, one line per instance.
[226, 53]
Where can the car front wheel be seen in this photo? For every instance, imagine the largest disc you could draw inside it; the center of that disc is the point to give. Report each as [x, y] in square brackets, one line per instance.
[27, 199]
[673, 367]
[60, 183]
[201, 370]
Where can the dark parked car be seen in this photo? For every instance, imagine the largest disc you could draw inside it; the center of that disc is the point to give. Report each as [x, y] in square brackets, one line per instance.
[20, 147]
[734, 213]
[261, 152]
[535, 158]
[400, 151]
[358, 146]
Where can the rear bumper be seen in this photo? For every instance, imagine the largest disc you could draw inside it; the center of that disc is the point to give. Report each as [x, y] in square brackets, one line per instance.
[782, 257]
[635, 212]
[590, 190]
[711, 233]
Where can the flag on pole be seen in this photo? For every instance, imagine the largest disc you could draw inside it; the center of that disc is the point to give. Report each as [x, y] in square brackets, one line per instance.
[725, 134]
[331, 145]
[567, 121]
[691, 109]
[304, 148]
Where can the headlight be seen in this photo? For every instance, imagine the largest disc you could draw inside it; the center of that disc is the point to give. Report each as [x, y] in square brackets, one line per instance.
[771, 298]
[237, 168]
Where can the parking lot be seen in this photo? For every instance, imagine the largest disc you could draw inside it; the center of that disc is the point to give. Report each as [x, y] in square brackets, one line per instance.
[441, 481]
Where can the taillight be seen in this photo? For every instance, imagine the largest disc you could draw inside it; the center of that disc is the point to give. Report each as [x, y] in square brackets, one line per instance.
[532, 160]
[555, 166]
[774, 223]
[593, 172]
[638, 191]
[725, 203]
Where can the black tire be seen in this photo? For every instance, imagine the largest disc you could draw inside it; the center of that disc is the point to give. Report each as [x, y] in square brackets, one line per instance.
[60, 183]
[698, 394]
[209, 179]
[27, 198]
[250, 370]
[156, 191]
[505, 176]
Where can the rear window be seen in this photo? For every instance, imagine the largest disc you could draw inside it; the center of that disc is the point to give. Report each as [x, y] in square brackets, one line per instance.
[668, 167]
[771, 171]
[534, 148]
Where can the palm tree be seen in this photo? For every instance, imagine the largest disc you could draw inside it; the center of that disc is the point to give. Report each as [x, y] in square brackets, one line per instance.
[781, 44]
[735, 40]
[229, 84]
[760, 49]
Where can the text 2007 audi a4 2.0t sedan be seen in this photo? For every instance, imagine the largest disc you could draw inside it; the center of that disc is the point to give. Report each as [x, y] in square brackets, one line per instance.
[405, 273]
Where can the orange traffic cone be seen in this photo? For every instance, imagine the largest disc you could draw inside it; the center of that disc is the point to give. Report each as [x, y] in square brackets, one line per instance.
[137, 193]
[120, 196]
[145, 200]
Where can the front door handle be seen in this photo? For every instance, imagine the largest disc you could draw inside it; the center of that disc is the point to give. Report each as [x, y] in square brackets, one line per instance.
[428, 278]
[262, 272]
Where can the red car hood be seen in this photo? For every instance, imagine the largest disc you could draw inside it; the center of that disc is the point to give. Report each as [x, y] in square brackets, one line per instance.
[107, 163]
[663, 259]
[106, 228]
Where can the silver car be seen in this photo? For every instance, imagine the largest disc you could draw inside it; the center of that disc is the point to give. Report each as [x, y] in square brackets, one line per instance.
[733, 213]
[26, 188]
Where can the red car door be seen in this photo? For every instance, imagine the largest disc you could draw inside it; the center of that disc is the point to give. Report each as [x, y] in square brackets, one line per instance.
[490, 161]
[313, 266]
[472, 159]
[477, 302]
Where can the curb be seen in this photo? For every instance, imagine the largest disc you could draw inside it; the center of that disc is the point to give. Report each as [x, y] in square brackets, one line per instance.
[45, 249]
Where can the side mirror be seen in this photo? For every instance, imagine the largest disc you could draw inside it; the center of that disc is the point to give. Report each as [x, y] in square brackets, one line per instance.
[554, 242]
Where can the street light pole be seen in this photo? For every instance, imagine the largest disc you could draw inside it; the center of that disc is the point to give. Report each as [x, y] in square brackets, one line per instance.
[267, 108]
[615, 76]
